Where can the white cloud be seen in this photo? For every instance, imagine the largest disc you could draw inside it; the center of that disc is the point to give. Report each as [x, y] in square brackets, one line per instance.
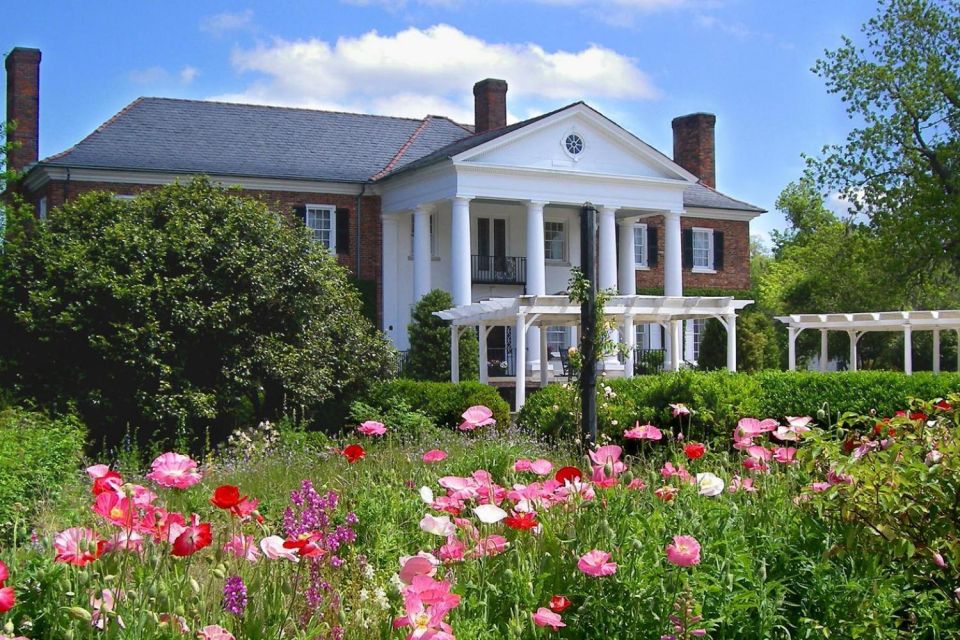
[188, 74]
[432, 70]
[225, 22]
[739, 30]
[641, 5]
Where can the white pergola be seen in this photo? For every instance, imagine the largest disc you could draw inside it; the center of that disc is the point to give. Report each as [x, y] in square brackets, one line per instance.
[857, 324]
[625, 311]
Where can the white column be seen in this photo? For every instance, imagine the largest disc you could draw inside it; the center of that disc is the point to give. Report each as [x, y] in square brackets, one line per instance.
[908, 349]
[630, 335]
[672, 260]
[607, 249]
[853, 350]
[484, 370]
[536, 269]
[792, 348]
[389, 276]
[627, 276]
[544, 358]
[460, 277]
[824, 349]
[676, 341]
[454, 353]
[936, 351]
[421, 251]
[731, 321]
[521, 355]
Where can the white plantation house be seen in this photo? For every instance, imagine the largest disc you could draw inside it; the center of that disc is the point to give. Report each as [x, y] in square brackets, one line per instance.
[484, 211]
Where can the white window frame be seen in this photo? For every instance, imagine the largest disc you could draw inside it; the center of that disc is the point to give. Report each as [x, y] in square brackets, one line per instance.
[561, 332]
[42, 209]
[331, 244]
[641, 336]
[711, 264]
[434, 253]
[697, 328]
[564, 247]
[641, 261]
[122, 196]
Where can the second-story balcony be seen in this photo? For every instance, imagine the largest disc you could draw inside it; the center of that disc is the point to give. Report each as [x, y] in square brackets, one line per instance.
[498, 269]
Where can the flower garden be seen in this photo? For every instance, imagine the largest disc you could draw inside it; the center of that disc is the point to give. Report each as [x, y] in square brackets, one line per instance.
[780, 529]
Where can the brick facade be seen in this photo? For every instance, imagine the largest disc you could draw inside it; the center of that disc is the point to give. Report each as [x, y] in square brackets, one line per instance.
[369, 228]
[736, 272]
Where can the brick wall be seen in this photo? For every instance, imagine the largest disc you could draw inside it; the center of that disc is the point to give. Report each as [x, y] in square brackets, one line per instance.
[736, 272]
[58, 192]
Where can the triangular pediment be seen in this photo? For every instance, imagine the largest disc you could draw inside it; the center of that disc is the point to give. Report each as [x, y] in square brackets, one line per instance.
[576, 139]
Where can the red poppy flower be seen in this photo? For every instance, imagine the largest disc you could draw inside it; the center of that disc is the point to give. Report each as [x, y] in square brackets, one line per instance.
[106, 482]
[4, 573]
[353, 453]
[306, 545]
[226, 496]
[7, 599]
[195, 537]
[943, 405]
[559, 604]
[568, 473]
[694, 450]
[521, 521]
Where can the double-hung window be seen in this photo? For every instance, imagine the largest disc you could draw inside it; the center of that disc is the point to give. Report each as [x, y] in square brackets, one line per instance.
[558, 339]
[322, 221]
[640, 246]
[698, 326]
[554, 241]
[703, 249]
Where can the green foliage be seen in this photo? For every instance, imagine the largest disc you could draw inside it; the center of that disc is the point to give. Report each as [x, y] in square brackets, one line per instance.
[442, 402]
[758, 345]
[404, 423]
[187, 307]
[429, 357]
[899, 167]
[39, 455]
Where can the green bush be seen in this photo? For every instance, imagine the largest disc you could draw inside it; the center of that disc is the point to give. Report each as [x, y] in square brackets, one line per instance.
[430, 342]
[443, 402]
[721, 398]
[38, 455]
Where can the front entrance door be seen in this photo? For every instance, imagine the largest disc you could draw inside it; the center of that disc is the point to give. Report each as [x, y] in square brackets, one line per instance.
[500, 357]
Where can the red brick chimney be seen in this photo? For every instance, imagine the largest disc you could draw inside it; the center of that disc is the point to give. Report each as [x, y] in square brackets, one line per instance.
[693, 146]
[23, 105]
[489, 105]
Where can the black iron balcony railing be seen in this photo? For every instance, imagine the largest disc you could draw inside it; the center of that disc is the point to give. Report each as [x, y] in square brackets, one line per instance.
[498, 269]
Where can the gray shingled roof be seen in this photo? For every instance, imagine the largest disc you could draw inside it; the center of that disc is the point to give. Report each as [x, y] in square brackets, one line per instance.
[162, 134]
[192, 136]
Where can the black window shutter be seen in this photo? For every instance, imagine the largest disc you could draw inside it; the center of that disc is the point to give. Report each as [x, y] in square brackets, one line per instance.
[343, 230]
[718, 250]
[687, 248]
[301, 212]
[653, 251]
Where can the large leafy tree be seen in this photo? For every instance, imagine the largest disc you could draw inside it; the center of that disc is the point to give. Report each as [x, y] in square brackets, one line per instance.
[187, 307]
[901, 166]
[429, 357]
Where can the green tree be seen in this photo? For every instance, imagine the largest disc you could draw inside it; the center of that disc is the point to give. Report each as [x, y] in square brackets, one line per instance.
[429, 336]
[900, 167]
[188, 307]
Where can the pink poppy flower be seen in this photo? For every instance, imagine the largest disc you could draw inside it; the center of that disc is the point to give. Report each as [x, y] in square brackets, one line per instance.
[637, 484]
[799, 422]
[679, 409]
[77, 546]
[477, 416]
[453, 550]
[643, 432]
[521, 465]
[666, 493]
[194, 537]
[4, 572]
[491, 546]
[546, 618]
[434, 455]
[116, 509]
[372, 428]
[422, 564]
[785, 455]
[7, 599]
[242, 546]
[438, 526]
[596, 563]
[101, 607]
[741, 484]
[273, 549]
[124, 541]
[759, 453]
[175, 471]
[839, 478]
[607, 454]
[541, 467]
[426, 603]
[753, 464]
[820, 487]
[601, 479]
[214, 632]
[684, 551]
[751, 427]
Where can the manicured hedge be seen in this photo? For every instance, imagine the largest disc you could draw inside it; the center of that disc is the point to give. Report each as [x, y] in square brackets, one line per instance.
[720, 399]
[441, 401]
[38, 455]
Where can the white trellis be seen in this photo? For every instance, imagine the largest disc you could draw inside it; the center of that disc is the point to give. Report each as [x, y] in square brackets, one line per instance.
[626, 311]
[857, 324]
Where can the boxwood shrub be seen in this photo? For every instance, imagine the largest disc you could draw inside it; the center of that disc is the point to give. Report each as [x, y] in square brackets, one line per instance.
[38, 455]
[443, 402]
[720, 399]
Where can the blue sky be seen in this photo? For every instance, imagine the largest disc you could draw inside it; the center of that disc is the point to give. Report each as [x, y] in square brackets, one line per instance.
[641, 62]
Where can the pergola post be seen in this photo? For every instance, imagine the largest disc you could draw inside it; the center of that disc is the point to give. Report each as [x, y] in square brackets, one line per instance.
[454, 353]
[520, 347]
[936, 350]
[677, 344]
[484, 368]
[544, 358]
[853, 350]
[824, 349]
[907, 349]
[631, 339]
[792, 348]
[731, 322]
[667, 346]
